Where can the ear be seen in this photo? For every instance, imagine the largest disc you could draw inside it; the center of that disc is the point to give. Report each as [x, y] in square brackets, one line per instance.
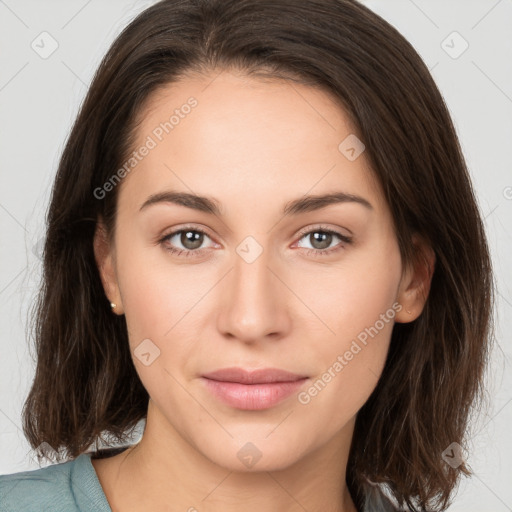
[105, 261]
[416, 280]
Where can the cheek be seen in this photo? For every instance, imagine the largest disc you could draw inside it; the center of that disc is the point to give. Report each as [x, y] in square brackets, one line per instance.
[349, 368]
[156, 293]
[354, 296]
[156, 302]
[359, 307]
[153, 302]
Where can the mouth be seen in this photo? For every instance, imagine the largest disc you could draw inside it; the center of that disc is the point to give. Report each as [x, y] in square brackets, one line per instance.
[252, 390]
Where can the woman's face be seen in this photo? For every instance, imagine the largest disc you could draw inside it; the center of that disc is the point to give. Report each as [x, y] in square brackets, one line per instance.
[261, 282]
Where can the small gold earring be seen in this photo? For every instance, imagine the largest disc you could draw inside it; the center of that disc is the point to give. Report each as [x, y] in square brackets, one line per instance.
[113, 306]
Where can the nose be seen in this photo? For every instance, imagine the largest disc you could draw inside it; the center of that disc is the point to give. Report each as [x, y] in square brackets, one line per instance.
[254, 302]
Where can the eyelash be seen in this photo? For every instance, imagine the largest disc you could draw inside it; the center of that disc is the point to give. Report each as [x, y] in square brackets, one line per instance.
[302, 234]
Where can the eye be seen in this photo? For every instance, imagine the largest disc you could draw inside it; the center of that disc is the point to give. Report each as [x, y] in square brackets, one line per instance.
[189, 238]
[321, 239]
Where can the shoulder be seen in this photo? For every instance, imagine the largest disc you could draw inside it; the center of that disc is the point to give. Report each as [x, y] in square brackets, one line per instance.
[69, 486]
[29, 490]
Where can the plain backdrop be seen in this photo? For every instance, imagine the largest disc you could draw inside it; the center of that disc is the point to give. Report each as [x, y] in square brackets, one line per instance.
[467, 45]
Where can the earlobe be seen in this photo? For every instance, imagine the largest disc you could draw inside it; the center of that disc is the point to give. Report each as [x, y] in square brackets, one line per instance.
[416, 282]
[103, 254]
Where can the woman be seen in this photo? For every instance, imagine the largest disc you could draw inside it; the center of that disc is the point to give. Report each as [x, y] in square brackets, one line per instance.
[263, 241]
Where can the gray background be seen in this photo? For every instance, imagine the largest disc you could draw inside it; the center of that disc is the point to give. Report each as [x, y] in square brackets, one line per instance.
[39, 98]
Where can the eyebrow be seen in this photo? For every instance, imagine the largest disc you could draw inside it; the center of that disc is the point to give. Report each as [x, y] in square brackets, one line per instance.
[297, 206]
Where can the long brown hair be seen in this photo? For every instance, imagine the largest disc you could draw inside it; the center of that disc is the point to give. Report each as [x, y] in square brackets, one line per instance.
[85, 381]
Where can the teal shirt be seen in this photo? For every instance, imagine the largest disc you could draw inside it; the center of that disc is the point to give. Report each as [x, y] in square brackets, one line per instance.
[71, 486]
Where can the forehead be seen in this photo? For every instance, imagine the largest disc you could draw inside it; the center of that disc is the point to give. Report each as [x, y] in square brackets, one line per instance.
[223, 134]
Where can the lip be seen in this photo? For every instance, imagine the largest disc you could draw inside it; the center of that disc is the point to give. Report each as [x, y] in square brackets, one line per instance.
[252, 389]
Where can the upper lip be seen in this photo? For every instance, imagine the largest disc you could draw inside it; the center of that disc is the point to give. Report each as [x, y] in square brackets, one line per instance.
[263, 376]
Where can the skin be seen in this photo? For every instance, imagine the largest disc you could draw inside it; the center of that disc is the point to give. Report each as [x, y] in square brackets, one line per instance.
[253, 145]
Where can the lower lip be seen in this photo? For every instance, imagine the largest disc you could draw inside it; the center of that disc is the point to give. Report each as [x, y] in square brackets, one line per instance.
[253, 397]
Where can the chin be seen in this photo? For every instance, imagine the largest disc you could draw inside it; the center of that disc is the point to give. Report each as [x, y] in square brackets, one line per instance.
[252, 454]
